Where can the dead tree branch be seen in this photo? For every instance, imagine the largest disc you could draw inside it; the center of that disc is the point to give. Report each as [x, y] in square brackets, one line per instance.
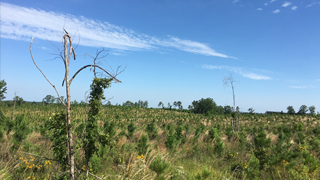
[113, 77]
[44, 74]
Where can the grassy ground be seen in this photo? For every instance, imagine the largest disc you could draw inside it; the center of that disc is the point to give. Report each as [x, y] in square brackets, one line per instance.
[195, 146]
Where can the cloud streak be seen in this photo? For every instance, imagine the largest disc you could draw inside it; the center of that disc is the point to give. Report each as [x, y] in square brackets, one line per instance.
[286, 4]
[300, 87]
[238, 70]
[312, 4]
[20, 23]
[276, 11]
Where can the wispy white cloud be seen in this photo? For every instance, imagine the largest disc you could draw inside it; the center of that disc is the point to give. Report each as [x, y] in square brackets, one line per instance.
[276, 11]
[294, 7]
[286, 4]
[301, 87]
[240, 71]
[266, 4]
[273, 1]
[235, 1]
[312, 4]
[44, 48]
[190, 46]
[259, 9]
[22, 23]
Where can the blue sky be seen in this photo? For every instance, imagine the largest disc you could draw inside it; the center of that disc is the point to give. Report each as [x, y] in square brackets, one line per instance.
[174, 50]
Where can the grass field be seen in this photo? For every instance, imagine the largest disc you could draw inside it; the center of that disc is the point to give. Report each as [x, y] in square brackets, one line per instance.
[138, 142]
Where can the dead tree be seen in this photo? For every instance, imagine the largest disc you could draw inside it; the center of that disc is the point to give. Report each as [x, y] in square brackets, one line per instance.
[66, 59]
[226, 81]
[14, 104]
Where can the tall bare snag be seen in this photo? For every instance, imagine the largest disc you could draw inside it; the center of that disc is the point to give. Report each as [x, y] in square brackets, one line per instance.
[66, 59]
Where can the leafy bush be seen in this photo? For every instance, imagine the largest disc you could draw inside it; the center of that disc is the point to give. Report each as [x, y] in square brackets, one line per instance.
[95, 163]
[57, 134]
[219, 147]
[152, 129]
[262, 143]
[252, 168]
[171, 141]
[213, 133]
[21, 130]
[143, 145]
[298, 126]
[159, 166]
[131, 128]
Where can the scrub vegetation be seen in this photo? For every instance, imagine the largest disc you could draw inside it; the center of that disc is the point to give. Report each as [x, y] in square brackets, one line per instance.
[133, 142]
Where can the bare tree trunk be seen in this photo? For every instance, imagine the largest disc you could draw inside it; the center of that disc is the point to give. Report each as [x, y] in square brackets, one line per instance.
[14, 104]
[234, 106]
[70, 141]
[226, 81]
[68, 81]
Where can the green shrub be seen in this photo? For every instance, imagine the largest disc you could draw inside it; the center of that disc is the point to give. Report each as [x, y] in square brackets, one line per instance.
[262, 143]
[171, 141]
[143, 145]
[228, 131]
[159, 166]
[110, 128]
[95, 163]
[152, 129]
[200, 129]
[21, 130]
[252, 168]
[213, 133]
[219, 147]
[131, 128]
[57, 134]
[298, 126]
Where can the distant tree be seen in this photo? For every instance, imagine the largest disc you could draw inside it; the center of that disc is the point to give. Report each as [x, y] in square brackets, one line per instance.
[175, 104]
[128, 104]
[303, 110]
[312, 110]
[227, 110]
[203, 106]
[169, 106]
[58, 100]
[19, 100]
[145, 104]
[49, 99]
[141, 104]
[109, 103]
[160, 104]
[3, 89]
[291, 110]
[179, 103]
[251, 110]
[237, 109]
[75, 102]
[82, 103]
[220, 110]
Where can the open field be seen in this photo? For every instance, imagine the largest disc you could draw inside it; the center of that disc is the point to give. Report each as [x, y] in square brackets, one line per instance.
[193, 146]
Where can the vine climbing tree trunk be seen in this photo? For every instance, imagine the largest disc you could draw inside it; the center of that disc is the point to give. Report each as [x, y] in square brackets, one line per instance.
[66, 59]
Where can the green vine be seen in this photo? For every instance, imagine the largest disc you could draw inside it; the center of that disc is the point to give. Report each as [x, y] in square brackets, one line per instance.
[92, 131]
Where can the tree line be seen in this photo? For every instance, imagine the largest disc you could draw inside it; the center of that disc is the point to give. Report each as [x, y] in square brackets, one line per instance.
[202, 106]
